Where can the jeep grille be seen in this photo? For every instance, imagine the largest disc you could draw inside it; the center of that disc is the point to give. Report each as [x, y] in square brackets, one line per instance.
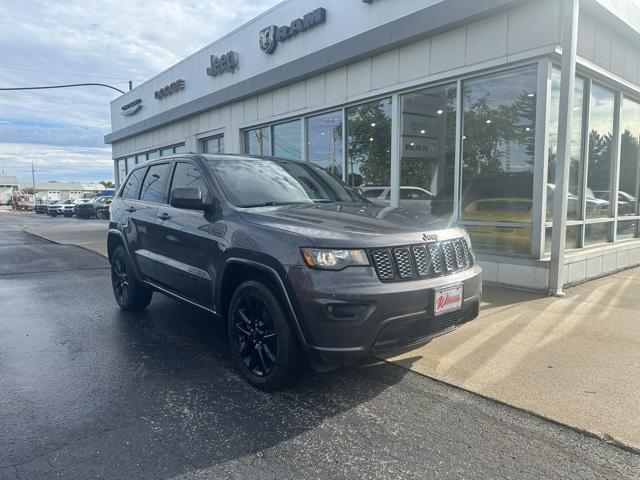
[421, 261]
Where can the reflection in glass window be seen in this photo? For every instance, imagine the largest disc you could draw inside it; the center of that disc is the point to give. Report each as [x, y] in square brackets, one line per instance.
[602, 107]
[141, 158]
[324, 142]
[627, 229]
[287, 140]
[180, 148]
[122, 170]
[498, 123]
[153, 155]
[153, 185]
[213, 145]
[187, 174]
[428, 149]
[628, 185]
[369, 144]
[257, 141]
[166, 152]
[595, 233]
[132, 187]
[574, 204]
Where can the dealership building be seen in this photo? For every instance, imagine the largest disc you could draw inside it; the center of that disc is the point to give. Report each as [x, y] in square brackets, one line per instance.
[520, 118]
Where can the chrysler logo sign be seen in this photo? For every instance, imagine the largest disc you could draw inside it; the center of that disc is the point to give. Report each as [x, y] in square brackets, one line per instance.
[270, 36]
[131, 107]
[169, 89]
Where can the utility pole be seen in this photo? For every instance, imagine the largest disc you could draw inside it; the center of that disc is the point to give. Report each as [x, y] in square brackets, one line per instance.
[33, 178]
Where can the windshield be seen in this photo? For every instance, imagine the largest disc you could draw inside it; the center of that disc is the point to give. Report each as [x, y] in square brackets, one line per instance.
[257, 182]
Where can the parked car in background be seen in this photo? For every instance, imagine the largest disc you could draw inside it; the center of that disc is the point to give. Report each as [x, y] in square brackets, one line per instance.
[101, 209]
[52, 207]
[300, 265]
[59, 207]
[88, 209]
[410, 197]
[626, 201]
[79, 201]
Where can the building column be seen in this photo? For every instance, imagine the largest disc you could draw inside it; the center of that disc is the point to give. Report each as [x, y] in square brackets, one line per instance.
[395, 150]
[568, 72]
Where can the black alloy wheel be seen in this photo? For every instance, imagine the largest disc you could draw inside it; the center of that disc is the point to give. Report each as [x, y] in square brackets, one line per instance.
[257, 339]
[130, 294]
[262, 340]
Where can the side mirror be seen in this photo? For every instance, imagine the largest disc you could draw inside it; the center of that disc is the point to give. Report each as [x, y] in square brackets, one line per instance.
[187, 197]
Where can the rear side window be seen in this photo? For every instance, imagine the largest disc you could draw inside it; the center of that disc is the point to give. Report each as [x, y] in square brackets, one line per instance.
[153, 185]
[132, 187]
[188, 175]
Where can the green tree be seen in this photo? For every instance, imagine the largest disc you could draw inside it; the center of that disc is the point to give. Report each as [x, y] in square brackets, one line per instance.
[108, 184]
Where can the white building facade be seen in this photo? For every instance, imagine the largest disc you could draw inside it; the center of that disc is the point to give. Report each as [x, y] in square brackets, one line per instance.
[66, 190]
[460, 98]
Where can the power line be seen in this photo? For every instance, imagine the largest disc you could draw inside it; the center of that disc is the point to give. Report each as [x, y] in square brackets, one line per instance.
[63, 86]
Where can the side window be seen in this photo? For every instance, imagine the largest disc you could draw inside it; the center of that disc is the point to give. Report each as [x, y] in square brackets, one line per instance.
[188, 175]
[132, 187]
[153, 185]
[373, 193]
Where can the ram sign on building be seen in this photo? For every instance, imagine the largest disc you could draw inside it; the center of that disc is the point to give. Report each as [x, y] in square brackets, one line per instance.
[471, 103]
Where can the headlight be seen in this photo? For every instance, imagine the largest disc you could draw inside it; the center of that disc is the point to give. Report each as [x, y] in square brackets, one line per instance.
[329, 259]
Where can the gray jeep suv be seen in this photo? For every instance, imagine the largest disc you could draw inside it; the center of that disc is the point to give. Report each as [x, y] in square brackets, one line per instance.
[298, 264]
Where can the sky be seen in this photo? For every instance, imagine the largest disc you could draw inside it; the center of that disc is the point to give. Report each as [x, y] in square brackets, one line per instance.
[53, 42]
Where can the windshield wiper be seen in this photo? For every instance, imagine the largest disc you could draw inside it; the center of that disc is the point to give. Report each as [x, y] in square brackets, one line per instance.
[323, 200]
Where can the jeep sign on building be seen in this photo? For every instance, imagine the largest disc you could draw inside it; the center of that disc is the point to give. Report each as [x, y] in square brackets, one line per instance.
[469, 106]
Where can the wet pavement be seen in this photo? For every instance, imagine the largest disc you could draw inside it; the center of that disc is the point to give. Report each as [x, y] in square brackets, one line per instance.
[88, 391]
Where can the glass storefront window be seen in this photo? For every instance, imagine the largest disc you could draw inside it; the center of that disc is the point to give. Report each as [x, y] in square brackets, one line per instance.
[629, 160]
[369, 143]
[595, 233]
[153, 155]
[257, 141]
[141, 158]
[627, 229]
[180, 148]
[428, 149]
[166, 152]
[213, 145]
[287, 140]
[601, 112]
[122, 170]
[498, 133]
[324, 141]
[574, 203]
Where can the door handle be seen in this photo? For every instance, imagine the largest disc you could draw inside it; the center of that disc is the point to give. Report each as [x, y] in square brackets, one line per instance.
[164, 216]
[131, 209]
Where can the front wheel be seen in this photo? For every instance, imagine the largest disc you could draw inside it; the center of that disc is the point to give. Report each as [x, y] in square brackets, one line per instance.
[130, 293]
[262, 340]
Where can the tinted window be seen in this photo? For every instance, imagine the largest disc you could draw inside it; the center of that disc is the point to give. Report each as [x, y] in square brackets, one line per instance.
[374, 193]
[188, 175]
[132, 187]
[250, 183]
[153, 185]
[287, 141]
[324, 142]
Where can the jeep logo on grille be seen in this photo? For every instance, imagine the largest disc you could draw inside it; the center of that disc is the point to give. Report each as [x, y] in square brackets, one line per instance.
[429, 237]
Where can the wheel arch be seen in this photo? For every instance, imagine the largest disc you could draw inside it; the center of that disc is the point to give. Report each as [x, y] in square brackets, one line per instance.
[115, 239]
[238, 270]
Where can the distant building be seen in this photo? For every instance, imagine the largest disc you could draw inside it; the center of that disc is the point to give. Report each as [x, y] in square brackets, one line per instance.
[8, 185]
[65, 190]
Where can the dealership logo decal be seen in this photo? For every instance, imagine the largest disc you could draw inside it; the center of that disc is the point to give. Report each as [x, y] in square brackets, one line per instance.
[170, 89]
[270, 36]
[131, 107]
[224, 63]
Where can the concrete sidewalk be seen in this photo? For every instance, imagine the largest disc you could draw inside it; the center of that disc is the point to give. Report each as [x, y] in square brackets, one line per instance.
[575, 360]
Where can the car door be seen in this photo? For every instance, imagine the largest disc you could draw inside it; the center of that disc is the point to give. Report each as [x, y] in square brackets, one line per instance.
[146, 239]
[186, 245]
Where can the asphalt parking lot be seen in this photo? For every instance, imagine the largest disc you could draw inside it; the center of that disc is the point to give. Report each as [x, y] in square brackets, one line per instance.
[88, 391]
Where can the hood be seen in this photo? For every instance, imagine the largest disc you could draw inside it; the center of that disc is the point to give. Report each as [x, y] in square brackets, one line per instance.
[352, 225]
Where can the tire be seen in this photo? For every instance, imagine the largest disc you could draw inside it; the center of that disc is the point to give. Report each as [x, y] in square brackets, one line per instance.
[262, 340]
[129, 292]
[68, 215]
[99, 214]
[54, 214]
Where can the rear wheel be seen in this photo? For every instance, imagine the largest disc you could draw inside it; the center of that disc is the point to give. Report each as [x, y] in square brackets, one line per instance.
[263, 343]
[100, 214]
[130, 293]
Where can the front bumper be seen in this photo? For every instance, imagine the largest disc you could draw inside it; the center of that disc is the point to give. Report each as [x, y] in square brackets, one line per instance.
[349, 314]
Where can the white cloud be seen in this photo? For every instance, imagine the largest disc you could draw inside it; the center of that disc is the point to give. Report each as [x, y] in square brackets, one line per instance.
[47, 42]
